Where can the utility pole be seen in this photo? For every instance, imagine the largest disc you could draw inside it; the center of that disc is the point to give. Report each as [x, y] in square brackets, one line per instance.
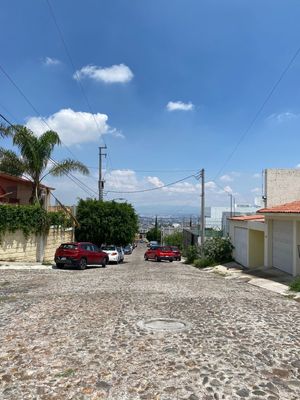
[202, 207]
[101, 180]
[230, 195]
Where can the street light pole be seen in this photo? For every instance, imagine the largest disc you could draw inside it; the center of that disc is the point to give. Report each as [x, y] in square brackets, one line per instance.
[202, 208]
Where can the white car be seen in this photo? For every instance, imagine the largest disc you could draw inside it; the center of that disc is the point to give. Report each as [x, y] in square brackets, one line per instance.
[121, 251]
[114, 254]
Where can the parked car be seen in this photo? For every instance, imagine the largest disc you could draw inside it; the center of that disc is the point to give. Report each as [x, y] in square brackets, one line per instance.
[152, 243]
[121, 252]
[114, 254]
[80, 255]
[128, 249]
[177, 253]
[159, 253]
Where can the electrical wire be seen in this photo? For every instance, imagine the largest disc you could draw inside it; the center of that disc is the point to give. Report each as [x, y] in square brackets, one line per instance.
[152, 189]
[259, 111]
[83, 92]
[75, 180]
[45, 122]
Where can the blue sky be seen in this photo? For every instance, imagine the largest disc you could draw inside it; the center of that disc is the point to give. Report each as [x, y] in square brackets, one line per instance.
[213, 62]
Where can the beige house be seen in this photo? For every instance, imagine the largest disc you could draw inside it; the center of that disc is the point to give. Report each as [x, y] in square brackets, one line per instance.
[271, 238]
[16, 190]
[247, 235]
[282, 237]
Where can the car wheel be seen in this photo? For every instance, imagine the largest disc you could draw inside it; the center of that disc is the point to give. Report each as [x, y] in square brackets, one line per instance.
[145, 258]
[171, 259]
[179, 258]
[157, 259]
[104, 262]
[59, 265]
[82, 264]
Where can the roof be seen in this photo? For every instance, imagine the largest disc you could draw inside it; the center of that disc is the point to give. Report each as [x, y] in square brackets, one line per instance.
[258, 218]
[14, 178]
[287, 208]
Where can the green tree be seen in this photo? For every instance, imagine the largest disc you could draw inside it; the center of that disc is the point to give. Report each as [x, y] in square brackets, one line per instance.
[175, 239]
[154, 234]
[34, 158]
[106, 222]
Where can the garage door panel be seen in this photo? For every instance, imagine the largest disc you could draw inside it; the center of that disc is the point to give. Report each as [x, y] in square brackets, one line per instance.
[283, 245]
[241, 245]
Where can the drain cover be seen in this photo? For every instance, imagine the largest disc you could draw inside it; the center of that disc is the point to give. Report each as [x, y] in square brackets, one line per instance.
[163, 324]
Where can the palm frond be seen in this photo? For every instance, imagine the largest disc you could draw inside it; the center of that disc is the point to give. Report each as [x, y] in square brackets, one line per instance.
[69, 165]
[11, 163]
[5, 131]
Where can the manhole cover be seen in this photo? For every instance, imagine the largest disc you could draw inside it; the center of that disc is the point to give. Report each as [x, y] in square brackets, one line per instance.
[163, 324]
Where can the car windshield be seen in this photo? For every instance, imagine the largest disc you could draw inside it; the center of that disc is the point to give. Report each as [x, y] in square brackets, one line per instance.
[108, 248]
[174, 248]
[164, 248]
[70, 246]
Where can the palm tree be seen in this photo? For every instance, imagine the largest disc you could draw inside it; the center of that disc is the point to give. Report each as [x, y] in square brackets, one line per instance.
[35, 157]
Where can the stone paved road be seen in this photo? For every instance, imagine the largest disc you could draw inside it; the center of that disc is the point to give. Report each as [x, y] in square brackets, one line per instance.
[69, 334]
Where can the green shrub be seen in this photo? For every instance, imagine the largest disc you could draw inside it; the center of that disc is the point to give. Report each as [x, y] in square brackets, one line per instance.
[218, 249]
[203, 262]
[175, 239]
[295, 285]
[29, 219]
[191, 254]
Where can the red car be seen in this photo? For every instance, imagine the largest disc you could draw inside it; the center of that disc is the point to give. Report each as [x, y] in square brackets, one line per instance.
[177, 253]
[160, 253]
[80, 255]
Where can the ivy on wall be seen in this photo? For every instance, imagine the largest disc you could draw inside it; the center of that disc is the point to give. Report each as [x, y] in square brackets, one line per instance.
[30, 219]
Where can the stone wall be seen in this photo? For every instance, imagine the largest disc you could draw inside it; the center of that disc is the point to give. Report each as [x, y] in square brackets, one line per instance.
[15, 247]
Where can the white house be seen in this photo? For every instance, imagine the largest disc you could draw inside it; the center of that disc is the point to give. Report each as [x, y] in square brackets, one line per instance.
[282, 237]
[271, 238]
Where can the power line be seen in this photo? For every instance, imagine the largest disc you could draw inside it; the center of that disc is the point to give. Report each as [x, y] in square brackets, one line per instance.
[83, 92]
[259, 111]
[150, 170]
[75, 180]
[45, 122]
[156, 188]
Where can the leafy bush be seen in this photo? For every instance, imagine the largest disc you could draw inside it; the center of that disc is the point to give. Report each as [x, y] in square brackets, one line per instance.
[191, 254]
[175, 239]
[295, 285]
[204, 262]
[29, 219]
[218, 249]
[106, 222]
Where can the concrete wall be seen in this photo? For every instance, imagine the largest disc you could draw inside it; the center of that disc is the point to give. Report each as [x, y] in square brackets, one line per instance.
[281, 186]
[14, 246]
[256, 248]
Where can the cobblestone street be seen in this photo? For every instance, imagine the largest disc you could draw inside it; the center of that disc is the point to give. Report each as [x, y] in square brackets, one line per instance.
[68, 334]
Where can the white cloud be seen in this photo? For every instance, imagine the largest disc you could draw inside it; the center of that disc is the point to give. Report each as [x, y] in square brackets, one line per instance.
[256, 190]
[155, 181]
[228, 189]
[179, 105]
[210, 185]
[256, 176]
[226, 178]
[297, 166]
[181, 187]
[283, 117]
[114, 74]
[73, 127]
[121, 179]
[51, 61]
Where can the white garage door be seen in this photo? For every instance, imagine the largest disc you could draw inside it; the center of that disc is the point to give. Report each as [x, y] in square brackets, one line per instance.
[283, 245]
[241, 246]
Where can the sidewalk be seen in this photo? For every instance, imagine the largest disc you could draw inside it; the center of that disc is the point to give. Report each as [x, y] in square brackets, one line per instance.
[270, 279]
[19, 265]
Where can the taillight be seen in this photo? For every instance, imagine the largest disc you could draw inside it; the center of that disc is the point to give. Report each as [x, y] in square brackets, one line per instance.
[114, 254]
